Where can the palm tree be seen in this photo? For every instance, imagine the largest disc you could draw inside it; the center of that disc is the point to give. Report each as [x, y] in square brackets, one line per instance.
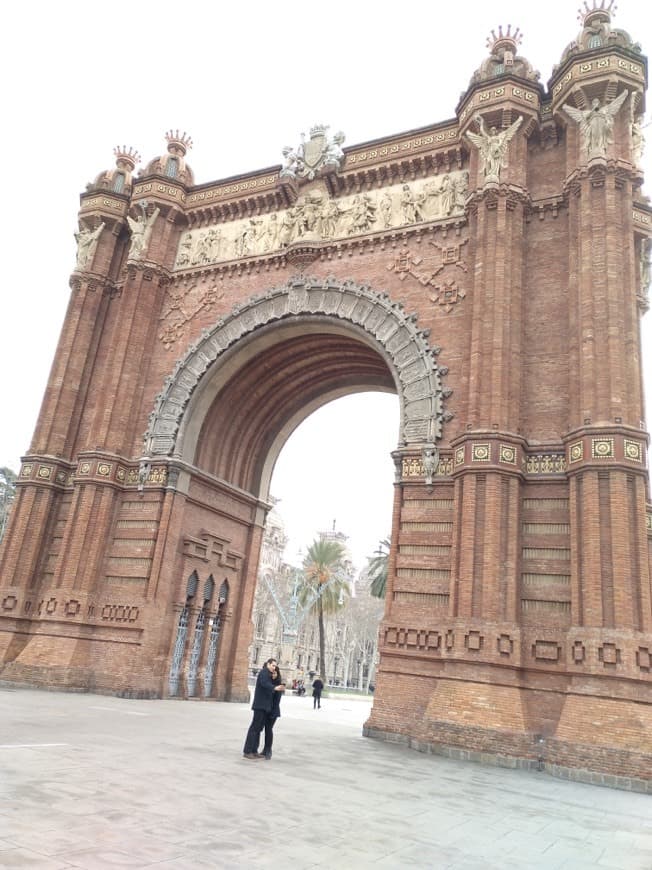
[377, 567]
[324, 588]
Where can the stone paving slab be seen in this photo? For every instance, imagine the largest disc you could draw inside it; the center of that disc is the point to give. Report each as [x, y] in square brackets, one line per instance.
[93, 782]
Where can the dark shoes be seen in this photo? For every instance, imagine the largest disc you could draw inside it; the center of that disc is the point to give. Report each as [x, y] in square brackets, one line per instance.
[253, 755]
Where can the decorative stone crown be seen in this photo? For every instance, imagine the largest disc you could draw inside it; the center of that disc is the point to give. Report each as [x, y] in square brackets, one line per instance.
[503, 59]
[126, 157]
[319, 130]
[507, 41]
[178, 141]
[591, 14]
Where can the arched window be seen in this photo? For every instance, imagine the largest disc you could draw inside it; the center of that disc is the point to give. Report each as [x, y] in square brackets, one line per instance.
[172, 167]
[193, 583]
[595, 41]
[213, 641]
[118, 182]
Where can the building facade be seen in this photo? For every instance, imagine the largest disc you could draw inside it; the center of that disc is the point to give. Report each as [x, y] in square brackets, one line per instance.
[491, 270]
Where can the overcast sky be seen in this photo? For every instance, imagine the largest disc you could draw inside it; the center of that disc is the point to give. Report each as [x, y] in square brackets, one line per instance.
[243, 79]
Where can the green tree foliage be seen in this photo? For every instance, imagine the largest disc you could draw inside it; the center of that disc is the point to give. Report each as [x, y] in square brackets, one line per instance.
[324, 589]
[7, 495]
[377, 567]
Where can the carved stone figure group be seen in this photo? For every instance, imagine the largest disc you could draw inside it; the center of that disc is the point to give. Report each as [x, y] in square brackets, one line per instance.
[315, 216]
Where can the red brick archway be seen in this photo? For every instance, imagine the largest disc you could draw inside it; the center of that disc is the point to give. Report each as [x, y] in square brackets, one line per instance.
[206, 320]
[235, 398]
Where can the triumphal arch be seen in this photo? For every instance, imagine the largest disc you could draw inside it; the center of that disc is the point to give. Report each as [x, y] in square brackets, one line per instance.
[491, 270]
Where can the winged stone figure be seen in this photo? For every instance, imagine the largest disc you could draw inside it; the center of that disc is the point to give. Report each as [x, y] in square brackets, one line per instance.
[492, 146]
[141, 230]
[596, 124]
[86, 244]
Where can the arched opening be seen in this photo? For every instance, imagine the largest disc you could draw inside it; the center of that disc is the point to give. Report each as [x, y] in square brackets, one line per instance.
[236, 397]
[333, 480]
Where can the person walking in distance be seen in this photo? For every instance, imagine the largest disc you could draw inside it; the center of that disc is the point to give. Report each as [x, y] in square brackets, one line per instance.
[317, 689]
[275, 714]
[262, 705]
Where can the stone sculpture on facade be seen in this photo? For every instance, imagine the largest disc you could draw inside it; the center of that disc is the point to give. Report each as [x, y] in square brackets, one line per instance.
[410, 206]
[86, 244]
[317, 153]
[636, 130]
[492, 146]
[141, 230]
[596, 124]
[316, 216]
[362, 215]
[645, 273]
[430, 461]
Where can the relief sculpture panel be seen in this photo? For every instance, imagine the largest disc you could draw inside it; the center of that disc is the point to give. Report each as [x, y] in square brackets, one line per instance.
[316, 216]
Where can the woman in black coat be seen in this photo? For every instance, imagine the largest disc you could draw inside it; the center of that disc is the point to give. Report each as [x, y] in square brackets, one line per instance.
[262, 706]
[273, 715]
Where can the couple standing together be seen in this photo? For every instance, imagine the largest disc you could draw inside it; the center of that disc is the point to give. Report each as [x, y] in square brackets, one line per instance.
[267, 709]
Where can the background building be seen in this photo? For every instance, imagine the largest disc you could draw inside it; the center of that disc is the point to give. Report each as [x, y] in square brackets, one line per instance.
[283, 632]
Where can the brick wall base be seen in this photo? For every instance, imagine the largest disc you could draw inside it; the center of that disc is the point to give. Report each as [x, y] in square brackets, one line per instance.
[64, 678]
[556, 752]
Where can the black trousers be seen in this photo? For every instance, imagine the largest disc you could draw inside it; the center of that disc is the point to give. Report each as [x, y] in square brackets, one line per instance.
[269, 733]
[253, 734]
[316, 700]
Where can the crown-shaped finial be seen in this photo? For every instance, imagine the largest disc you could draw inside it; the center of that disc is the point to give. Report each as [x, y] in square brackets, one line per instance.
[604, 10]
[506, 41]
[126, 154]
[319, 130]
[181, 141]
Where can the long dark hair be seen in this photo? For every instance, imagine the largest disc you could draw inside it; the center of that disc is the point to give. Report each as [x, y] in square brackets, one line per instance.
[277, 678]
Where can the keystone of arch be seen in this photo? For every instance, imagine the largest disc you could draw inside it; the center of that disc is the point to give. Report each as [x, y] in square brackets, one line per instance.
[405, 346]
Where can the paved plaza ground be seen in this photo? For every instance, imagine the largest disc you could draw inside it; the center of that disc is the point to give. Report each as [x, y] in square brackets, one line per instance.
[90, 781]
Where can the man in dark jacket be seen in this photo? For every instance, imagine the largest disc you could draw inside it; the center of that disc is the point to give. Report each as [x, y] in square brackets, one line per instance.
[317, 689]
[262, 706]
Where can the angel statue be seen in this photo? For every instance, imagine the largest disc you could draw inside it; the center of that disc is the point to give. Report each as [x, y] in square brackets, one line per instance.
[141, 230]
[636, 128]
[492, 146]
[86, 243]
[596, 124]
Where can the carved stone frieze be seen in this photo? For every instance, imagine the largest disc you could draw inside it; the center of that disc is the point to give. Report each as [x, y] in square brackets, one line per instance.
[317, 217]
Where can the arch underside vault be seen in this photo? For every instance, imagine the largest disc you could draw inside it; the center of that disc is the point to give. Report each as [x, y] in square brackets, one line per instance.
[277, 358]
[275, 388]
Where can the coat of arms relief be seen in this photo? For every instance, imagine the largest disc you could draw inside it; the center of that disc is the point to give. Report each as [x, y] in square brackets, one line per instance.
[319, 152]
